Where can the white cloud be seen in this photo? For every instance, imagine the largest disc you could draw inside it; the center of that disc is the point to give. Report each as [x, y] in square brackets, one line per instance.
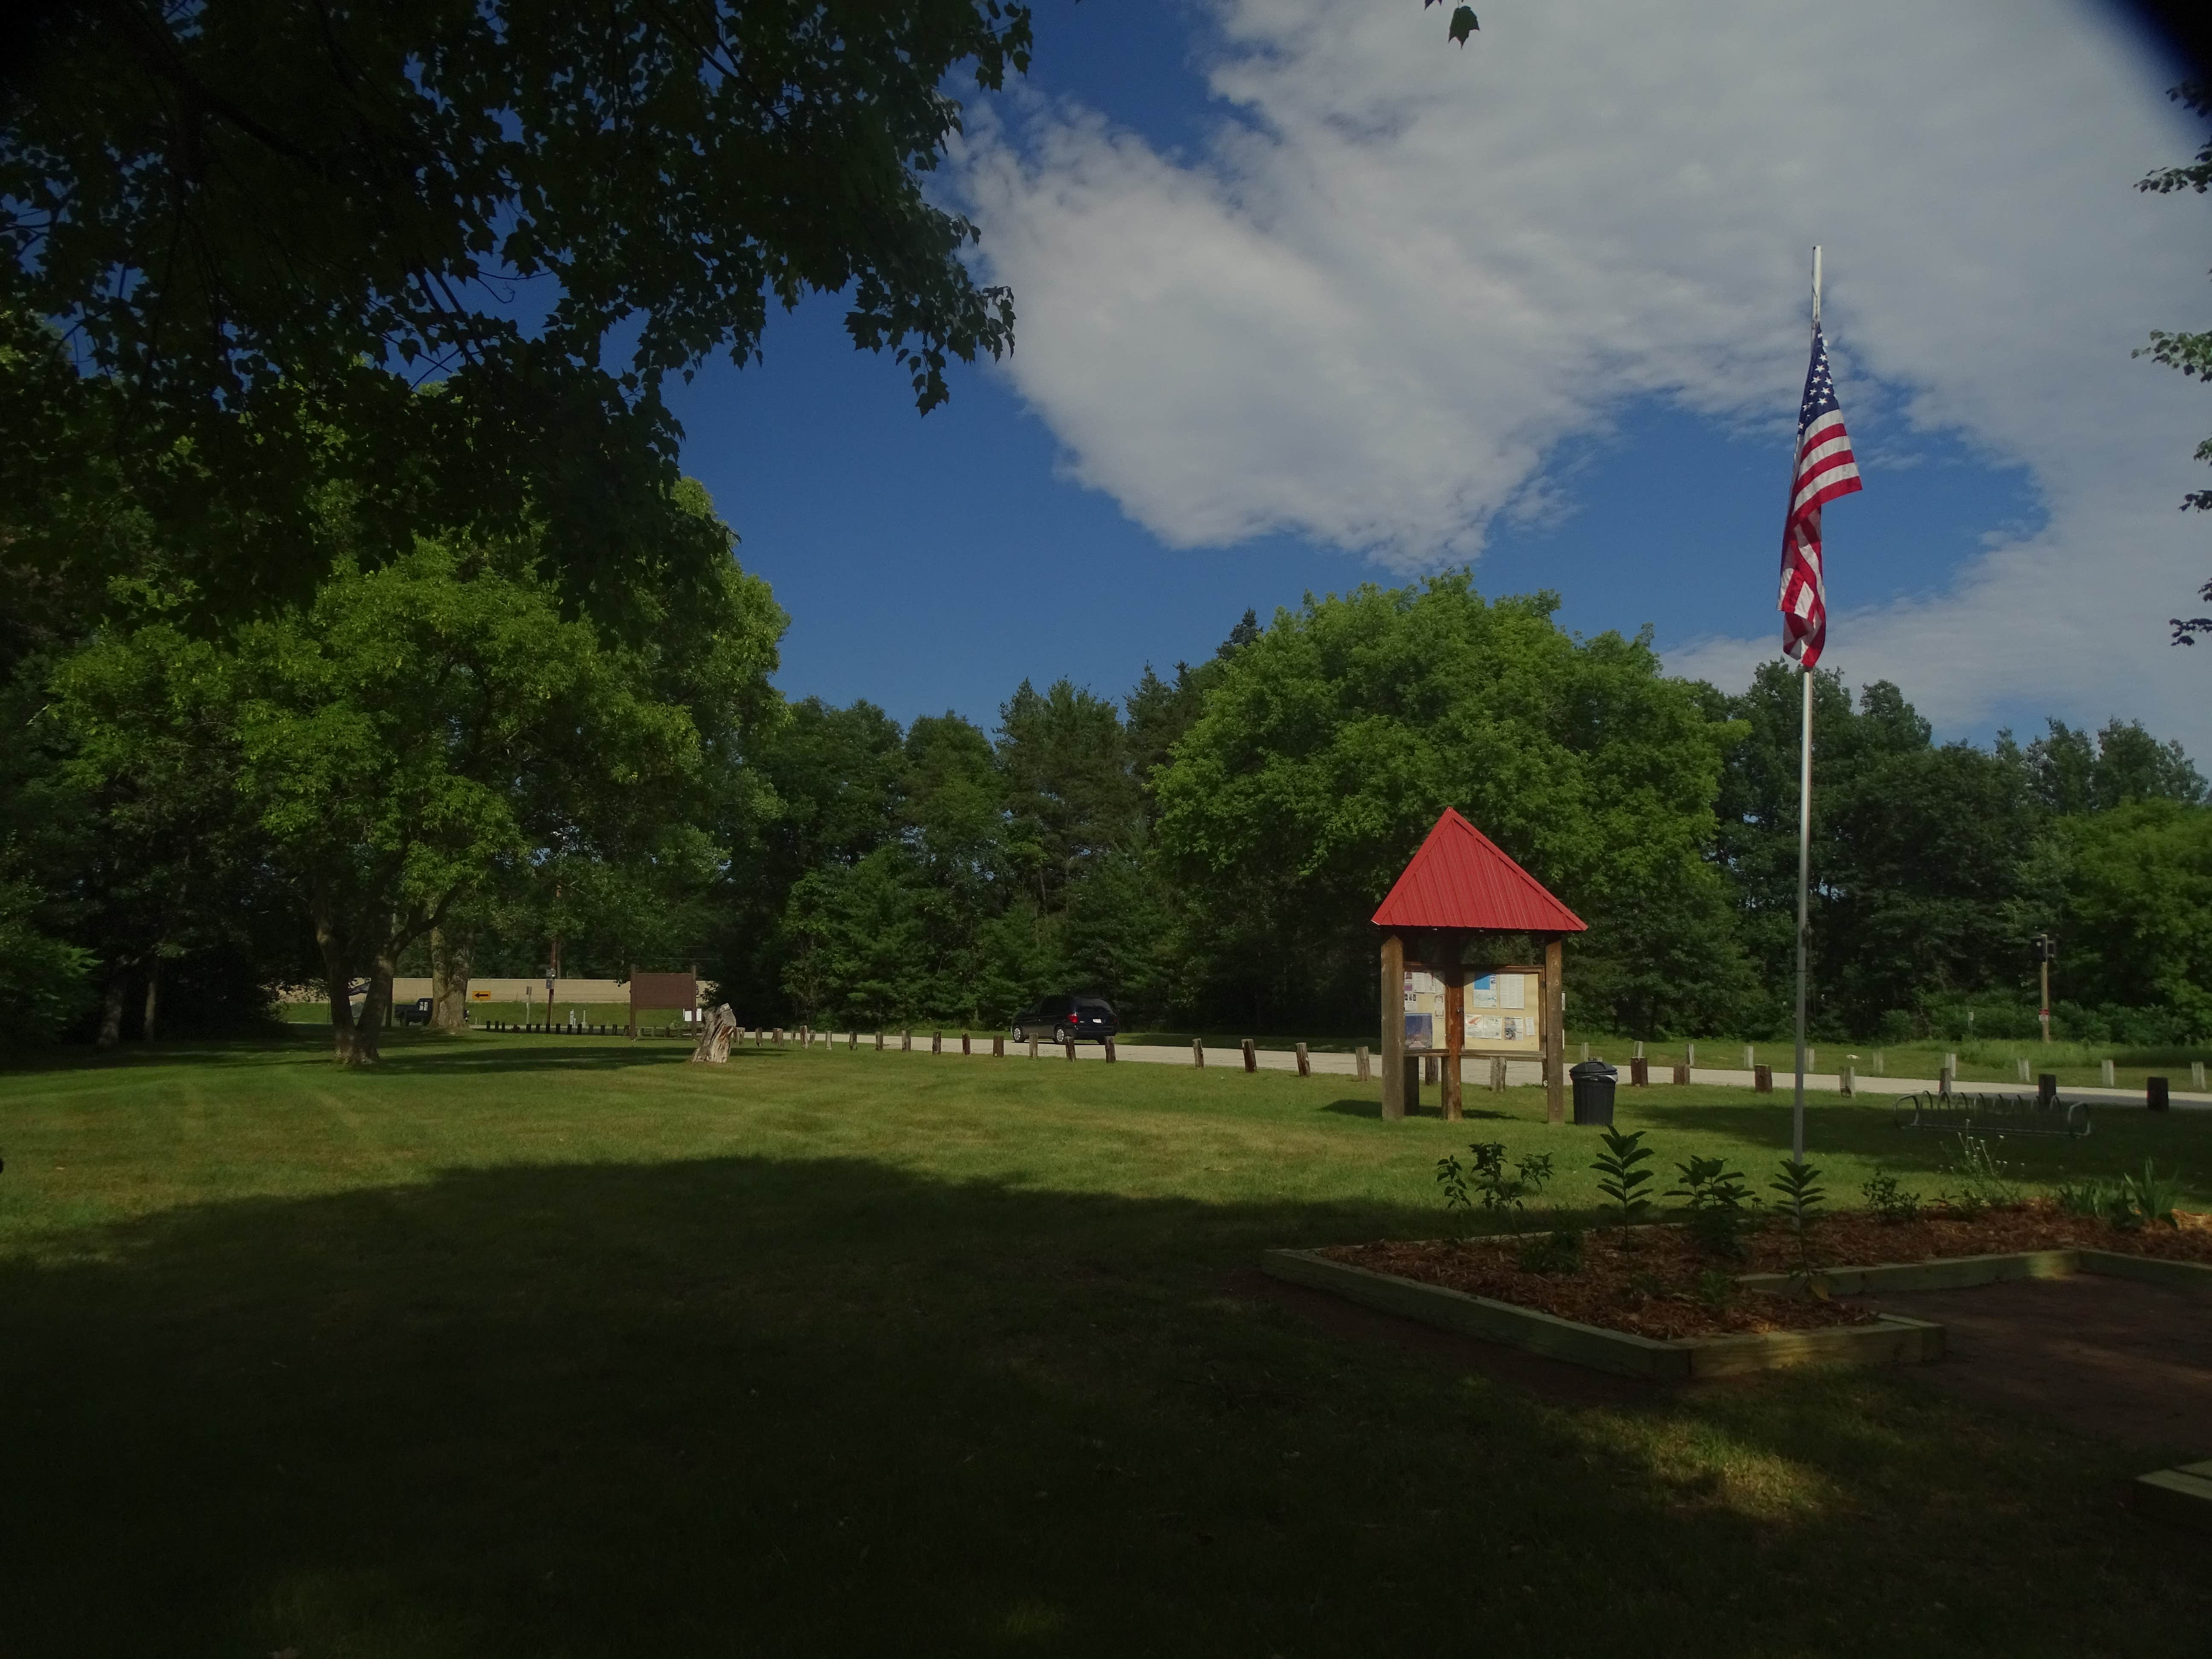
[1403, 274]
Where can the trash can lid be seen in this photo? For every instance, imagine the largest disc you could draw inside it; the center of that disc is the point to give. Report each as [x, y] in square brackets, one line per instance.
[1593, 1068]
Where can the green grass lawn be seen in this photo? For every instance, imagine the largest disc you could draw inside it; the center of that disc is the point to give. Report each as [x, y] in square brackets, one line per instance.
[550, 1347]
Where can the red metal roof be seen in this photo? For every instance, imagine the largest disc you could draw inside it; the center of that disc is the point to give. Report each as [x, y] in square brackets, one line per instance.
[1460, 880]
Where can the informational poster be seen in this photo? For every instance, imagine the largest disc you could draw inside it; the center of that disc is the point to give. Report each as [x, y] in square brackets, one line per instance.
[1498, 1013]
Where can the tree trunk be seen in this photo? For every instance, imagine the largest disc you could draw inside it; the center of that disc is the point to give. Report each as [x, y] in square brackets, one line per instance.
[375, 1010]
[337, 978]
[449, 980]
[153, 995]
[630, 967]
[111, 1004]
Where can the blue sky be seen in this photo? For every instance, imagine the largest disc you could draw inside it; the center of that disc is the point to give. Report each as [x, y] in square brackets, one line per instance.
[1061, 517]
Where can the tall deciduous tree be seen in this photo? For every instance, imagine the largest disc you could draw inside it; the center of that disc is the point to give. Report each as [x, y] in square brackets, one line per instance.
[1330, 743]
[410, 730]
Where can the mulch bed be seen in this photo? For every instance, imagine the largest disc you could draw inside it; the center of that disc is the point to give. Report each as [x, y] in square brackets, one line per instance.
[1647, 1279]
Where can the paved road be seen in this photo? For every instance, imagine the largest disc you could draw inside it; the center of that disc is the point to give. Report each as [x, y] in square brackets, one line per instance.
[1519, 1072]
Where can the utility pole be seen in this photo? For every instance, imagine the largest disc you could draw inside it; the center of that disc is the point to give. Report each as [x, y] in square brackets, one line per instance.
[2046, 950]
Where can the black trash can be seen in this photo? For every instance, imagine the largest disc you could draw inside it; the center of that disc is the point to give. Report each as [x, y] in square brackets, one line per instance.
[1593, 1083]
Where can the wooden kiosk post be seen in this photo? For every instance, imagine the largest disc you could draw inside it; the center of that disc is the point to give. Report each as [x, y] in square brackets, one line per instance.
[1393, 1028]
[1460, 885]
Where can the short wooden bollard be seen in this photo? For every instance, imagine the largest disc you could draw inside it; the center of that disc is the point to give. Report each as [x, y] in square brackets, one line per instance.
[1359, 1064]
[1033, 1048]
[1197, 1051]
[2155, 1094]
[964, 1048]
[905, 1041]
[1846, 1080]
[937, 1042]
[998, 1048]
[852, 1040]
[1762, 1079]
[779, 1037]
[1681, 1074]
[1109, 1051]
[1070, 1045]
[1640, 1072]
[1497, 1074]
[1305, 1065]
[1944, 1079]
[1251, 1060]
[2046, 1089]
[880, 1043]
[1429, 1072]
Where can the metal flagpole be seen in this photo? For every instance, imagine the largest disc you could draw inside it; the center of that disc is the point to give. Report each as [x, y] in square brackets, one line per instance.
[1804, 836]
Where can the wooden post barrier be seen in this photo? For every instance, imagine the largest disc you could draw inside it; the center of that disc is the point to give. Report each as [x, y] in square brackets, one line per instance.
[1197, 1052]
[999, 1047]
[1639, 1072]
[905, 1041]
[880, 1040]
[1762, 1079]
[1109, 1051]
[2156, 1095]
[1251, 1058]
[852, 1041]
[1554, 1028]
[1070, 1045]
[1033, 1048]
[1305, 1066]
[1682, 1074]
[937, 1042]
[964, 1048]
[1944, 1079]
[1847, 1079]
[1360, 1063]
[779, 1037]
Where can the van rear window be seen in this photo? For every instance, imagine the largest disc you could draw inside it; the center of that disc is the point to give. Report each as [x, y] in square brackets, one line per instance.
[1093, 1006]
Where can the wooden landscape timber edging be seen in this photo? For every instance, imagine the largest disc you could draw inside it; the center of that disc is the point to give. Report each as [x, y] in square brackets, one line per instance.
[2182, 1495]
[1890, 1340]
[1958, 1272]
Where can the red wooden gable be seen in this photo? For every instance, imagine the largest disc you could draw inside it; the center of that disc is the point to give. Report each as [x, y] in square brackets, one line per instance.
[1460, 880]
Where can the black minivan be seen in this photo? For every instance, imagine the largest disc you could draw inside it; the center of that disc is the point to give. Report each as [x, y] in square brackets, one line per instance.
[1066, 1019]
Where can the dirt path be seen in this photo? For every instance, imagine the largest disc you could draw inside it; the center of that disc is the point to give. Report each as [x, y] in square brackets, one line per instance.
[2129, 1362]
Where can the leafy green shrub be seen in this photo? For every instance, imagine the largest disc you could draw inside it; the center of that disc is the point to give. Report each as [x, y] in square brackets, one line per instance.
[2092, 1197]
[1717, 1196]
[1619, 1178]
[1716, 1288]
[1886, 1198]
[1556, 1252]
[1488, 1183]
[2150, 1198]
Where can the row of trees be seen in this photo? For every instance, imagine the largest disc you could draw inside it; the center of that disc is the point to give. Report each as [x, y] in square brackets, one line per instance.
[1209, 850]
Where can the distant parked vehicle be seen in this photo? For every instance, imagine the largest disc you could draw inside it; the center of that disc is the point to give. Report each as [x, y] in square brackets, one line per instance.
[1066, 1019]
[418, 1015]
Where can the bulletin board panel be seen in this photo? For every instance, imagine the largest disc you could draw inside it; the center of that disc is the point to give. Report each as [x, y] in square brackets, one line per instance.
[1499, 1015]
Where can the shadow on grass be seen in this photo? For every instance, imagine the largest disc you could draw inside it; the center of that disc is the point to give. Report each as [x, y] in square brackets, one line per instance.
[808, 1405]
[2117, 1143]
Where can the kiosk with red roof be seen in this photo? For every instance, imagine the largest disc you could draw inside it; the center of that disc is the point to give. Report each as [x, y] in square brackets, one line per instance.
[1459, 888]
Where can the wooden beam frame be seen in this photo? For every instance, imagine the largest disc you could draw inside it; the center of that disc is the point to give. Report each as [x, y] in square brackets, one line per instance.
[1394, 1027]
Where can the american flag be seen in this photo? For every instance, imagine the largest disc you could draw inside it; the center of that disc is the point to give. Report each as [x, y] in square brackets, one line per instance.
[1826, 470]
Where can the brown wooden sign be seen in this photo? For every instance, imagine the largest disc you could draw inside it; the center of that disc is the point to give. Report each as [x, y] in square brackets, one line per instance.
[664, 990]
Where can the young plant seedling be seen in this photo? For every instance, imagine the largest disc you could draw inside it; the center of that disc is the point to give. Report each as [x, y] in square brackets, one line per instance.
[1619, 1178]
[1889, 1200]
[1717, 1196]
[1802, 1194]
